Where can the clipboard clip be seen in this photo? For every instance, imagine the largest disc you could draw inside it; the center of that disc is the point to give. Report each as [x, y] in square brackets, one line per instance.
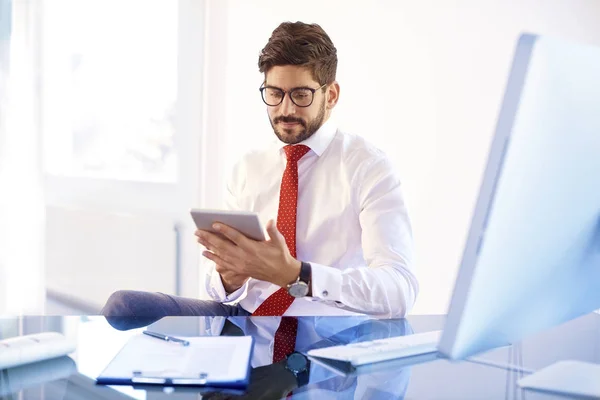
[159, 378]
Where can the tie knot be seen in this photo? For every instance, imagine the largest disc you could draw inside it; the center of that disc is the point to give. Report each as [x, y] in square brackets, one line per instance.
[295, 152]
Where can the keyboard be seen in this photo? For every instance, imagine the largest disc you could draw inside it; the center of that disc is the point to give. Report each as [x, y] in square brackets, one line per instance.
[381, 349]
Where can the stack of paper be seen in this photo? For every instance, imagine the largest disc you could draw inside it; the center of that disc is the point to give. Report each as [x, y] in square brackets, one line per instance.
[31, 348]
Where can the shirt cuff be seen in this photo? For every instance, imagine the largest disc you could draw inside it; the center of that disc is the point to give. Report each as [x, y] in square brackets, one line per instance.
[216, 290]
[326, 282]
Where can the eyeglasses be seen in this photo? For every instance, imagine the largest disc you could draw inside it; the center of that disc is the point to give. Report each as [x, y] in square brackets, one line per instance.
[301, 96]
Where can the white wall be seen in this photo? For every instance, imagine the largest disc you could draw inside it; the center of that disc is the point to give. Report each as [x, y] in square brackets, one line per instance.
[423, 80]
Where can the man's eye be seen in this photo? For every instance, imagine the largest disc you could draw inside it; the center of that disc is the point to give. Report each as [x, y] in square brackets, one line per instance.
[301, 94]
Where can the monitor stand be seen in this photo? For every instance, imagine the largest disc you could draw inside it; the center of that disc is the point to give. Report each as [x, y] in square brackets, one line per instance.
[566, 377]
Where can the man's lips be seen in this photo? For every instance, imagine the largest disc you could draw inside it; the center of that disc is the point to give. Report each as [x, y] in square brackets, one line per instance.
[288, 124]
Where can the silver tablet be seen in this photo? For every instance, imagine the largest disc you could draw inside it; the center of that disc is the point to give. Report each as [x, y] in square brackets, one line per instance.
[245, 222]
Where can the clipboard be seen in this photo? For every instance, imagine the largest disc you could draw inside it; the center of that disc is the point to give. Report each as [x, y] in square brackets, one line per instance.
[208, 361]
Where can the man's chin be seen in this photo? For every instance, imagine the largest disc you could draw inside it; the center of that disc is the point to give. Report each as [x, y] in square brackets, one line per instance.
[289, 136]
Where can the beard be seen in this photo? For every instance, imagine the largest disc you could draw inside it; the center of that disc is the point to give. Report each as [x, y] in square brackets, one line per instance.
[308, 128]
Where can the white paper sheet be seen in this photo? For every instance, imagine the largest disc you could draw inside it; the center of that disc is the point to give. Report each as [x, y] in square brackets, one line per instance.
[219, 358]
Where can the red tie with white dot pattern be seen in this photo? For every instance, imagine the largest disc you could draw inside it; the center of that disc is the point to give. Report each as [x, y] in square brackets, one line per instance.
[280, 301]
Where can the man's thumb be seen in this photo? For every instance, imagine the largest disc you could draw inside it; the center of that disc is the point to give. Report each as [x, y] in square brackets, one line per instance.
[273, 232]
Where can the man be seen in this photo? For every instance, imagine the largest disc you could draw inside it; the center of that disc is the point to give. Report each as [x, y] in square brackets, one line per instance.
[342, 243]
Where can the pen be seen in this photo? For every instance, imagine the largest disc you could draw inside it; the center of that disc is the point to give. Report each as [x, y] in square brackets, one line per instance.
[167, 338]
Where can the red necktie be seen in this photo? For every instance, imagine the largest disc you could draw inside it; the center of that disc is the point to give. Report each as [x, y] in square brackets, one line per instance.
[280, 301]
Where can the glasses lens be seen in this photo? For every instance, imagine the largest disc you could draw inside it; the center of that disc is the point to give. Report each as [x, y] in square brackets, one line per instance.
[302, 97]
[272, 96]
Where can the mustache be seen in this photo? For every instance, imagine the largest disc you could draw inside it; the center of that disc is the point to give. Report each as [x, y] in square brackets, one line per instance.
[289, 120]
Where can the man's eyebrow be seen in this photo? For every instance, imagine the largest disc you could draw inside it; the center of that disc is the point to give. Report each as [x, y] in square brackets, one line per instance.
[295, 87]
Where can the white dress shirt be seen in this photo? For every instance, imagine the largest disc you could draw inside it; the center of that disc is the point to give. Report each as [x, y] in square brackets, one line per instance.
[352, 227]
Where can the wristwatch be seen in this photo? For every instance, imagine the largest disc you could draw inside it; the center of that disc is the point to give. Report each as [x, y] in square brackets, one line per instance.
[301, 286]
[298, 365]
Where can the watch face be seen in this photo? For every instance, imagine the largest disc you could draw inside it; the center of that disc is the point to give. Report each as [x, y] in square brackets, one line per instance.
[298, 289]
[296, 362]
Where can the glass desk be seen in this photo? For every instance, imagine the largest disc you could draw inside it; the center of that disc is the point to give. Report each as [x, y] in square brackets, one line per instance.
[483, 377]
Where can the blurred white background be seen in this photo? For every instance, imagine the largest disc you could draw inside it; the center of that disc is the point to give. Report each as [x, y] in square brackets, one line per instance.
[121, 115]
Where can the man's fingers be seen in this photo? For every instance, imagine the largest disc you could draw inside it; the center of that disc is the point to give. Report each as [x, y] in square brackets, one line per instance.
[221, 264]
[236, 237]
[224, 268]
[214, 241]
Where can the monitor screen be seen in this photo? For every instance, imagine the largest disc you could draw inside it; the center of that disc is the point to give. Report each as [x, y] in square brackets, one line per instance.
[532, 257]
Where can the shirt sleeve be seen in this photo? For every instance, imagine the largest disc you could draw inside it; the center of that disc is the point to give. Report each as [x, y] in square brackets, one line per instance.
[386, 286]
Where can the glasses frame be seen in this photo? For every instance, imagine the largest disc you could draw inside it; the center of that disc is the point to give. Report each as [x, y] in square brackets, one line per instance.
[289, 93]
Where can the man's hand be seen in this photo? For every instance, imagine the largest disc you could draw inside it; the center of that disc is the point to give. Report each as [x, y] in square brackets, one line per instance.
[237, 256]
[231, 280]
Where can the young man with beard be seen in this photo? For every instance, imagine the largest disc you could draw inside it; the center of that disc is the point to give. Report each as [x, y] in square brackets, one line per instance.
[342, 243]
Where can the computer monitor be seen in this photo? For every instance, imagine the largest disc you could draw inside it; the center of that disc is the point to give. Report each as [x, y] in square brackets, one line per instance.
[532, 255]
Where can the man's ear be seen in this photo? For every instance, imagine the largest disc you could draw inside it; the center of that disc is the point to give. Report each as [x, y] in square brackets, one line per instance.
[333, 94]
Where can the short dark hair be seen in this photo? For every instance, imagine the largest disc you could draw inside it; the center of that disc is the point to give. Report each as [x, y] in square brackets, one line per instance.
[297, 43]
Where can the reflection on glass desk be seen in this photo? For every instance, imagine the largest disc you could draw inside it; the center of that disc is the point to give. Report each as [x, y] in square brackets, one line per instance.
[488, 375]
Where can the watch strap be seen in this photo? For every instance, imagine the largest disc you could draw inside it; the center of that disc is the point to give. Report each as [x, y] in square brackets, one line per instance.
[303, 377]
[306, 275]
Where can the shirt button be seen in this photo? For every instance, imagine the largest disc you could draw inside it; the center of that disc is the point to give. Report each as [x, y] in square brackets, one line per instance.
[325, 293]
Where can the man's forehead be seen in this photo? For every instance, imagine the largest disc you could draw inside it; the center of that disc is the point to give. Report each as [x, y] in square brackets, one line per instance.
[289, 76]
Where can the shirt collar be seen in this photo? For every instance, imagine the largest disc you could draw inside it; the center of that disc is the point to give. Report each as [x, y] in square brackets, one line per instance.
[319, 141]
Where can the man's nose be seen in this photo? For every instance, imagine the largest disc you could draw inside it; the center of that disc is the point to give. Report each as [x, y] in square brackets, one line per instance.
[287, 105]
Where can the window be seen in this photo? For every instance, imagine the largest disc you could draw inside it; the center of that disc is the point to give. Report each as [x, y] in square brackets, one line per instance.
[109, 87]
